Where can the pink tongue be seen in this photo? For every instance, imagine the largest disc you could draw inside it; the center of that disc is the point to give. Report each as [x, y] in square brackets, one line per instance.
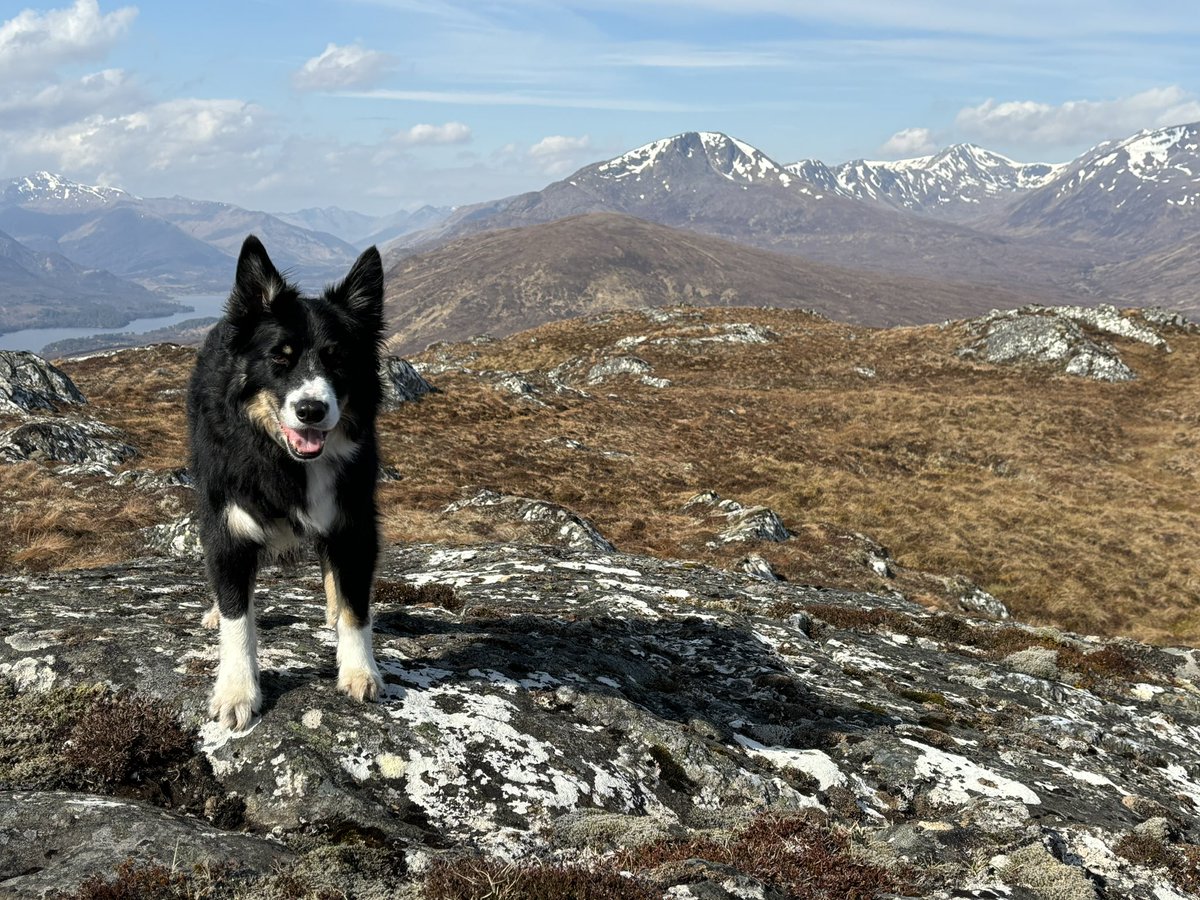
[305, 440]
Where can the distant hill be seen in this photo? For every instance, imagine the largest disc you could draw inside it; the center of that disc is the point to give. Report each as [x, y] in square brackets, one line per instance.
[362, 230]
[39, 290]
[507, 280]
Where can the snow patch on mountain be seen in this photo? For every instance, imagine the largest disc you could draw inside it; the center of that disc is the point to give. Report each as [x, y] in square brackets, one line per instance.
[729, 157]
[47, 187]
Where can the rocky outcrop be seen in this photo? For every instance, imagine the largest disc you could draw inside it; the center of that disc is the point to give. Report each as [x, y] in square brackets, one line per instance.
[28, 383]
[1048, 340]
[538, 521]
[744, 523]
[65, 440]
[546, 702]
[1069, 337]
[180, 538]
[401, 382]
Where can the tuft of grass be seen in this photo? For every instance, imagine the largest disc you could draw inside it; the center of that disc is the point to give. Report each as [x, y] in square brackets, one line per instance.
[798, 854]
[401, 593]
[126, 740]
[1182, 861]
[132, 881]
[474, 879]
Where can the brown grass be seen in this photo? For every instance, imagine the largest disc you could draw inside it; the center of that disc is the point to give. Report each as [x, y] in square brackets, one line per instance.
[1074, 502]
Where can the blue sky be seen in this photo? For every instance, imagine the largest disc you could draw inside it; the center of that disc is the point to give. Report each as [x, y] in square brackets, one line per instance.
[384, 104]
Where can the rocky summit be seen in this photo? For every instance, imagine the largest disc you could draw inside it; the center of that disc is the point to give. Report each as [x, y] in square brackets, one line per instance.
[551, 711]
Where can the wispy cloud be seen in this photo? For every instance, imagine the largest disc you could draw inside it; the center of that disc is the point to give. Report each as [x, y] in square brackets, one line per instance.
[673, 56]
[418, 135]
[558, 154]
[492, 98]
[33, 43]
[909, 142]
[1032, 122]
[336, 68]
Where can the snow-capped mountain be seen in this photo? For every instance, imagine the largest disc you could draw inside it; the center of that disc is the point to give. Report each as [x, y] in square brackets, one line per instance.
[46, 188]
[1144, 190]
[724, 155]
[957, 181]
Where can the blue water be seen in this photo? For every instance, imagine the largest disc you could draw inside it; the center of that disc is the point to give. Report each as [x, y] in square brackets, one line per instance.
[34, 339]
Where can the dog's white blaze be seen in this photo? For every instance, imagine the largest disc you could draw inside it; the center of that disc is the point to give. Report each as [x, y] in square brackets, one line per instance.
[236, 695]
[317, 388]
[242, 524]
[321, 511]
[355, 654]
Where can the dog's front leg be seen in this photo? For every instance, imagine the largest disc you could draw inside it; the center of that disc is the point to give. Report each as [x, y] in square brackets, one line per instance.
[236, 696]
[348, 560]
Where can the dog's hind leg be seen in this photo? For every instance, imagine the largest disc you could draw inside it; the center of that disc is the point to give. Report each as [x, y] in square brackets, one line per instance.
[236, 695]
[349, 570]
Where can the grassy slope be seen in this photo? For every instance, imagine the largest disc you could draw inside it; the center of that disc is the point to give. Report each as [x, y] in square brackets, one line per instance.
[1073, 501]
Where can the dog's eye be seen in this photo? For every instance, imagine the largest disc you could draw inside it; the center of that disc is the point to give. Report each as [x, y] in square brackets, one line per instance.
[282, 355]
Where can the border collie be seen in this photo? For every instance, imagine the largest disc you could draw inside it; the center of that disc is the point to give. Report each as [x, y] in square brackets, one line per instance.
[281, 412]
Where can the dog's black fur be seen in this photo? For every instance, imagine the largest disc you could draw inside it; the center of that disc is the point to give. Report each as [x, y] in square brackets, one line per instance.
[281, 409]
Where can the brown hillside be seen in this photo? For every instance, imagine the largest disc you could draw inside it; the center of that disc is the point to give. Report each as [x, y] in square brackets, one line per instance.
[1074, 501]
[509, 280]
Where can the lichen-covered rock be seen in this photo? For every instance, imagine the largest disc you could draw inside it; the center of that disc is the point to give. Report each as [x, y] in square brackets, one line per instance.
[151, 480]
[1037, 339]
[974, 599]
[28, 382]
[64, 440]
[179, 538]
[53, 840]
[540, 520]
[401, 382]
[744, 523]
[564, 685]
[618, 365]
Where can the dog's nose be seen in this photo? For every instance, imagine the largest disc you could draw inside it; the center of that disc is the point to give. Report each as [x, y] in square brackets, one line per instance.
[309, 411]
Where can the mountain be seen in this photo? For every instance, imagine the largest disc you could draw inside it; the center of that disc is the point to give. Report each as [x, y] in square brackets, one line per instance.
[174, 244]
[47, 289]
[310, 256]
[956, 182]
[510, 279]
[1138, 194]
[47, 190]
[718, 185]
[362, 230]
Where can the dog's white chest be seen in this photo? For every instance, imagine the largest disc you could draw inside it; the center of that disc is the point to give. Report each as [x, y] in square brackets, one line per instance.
[321, 508]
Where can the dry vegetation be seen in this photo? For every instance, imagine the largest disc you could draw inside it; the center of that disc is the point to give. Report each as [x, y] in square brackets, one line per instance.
[1073, 501]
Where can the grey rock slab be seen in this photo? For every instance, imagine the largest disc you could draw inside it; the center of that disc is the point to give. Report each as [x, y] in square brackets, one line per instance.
[54, 840]
[401, 382]
[571, 680]
[28, 382]
[544, 521]
[65, 440]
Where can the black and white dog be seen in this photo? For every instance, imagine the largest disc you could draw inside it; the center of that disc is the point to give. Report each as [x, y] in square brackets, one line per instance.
[281, 410]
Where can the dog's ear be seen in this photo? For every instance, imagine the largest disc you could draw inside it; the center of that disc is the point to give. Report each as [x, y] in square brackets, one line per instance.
[256, 283]
[361, 292]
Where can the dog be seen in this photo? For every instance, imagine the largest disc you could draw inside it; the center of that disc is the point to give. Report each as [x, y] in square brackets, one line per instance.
[281, 412]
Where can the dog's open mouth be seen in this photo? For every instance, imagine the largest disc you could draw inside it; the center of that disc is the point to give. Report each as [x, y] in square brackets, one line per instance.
[304, 443]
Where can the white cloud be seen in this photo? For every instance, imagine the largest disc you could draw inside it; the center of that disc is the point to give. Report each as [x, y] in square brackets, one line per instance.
[56, 104]
[909, 142]
[176, 134]
[33, 43]
[449, 133]
[1077, 121]
[558, 154]
[338, 68]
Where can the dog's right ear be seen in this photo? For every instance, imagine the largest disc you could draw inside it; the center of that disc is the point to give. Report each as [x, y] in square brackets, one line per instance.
[256, 283]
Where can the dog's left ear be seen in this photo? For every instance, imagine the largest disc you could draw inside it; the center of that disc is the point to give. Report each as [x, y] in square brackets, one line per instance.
[361, 291]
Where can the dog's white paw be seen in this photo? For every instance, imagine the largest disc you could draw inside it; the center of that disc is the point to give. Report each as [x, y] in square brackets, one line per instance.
[235, 701]
[212, 618]
[360, 684]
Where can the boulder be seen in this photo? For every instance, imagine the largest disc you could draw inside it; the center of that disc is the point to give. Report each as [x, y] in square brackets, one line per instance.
[180, 538]
[753, 523]
[64, 440]
[28, 382]
[540, 520]
[401, 382]
[1052, 340]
